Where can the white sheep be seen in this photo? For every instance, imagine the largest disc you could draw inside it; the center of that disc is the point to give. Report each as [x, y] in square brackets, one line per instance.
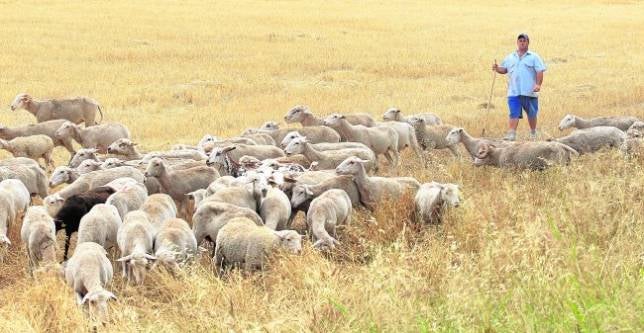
[275, 209]
[175, 243]
[47, 128]
[621, 122]
[98, 178]
[159, 207]
[471, 144]
[394, 114]
[303, 193]
[590, 140]
[434, 137]
[525, 155]
[99, 136]
[303, 115]
[14, 200]
[89, 166]
[316, 134]
[406, 136]
[135, 239]
[100, 225]
[226, 159]
[82, 155]
[31, 175]
[329, 159]
[328, 210]
[322, 145]
[432, 198]
[127, 149]
[38, 233]
[128, 198]
[243, 243]
[198, 195]
[211, 216]
[76, 110]
[88, 272]
[636, 130]
[33, 146]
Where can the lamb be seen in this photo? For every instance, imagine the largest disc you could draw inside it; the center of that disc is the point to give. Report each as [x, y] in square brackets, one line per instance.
[303, 193]
[331, 158]
[126, 148]
[376, 190]
[328, 210]
[243, 243]
[76, 110]
[525, 155]
[406, 136]
[211, 216]
[174, 244]
[159, 207]
[88, 166]
[14, 200]
[128, 198]
[394, 114]
[227, 159]
[621, 122]
[178, 183]
[261, 138]
[636, 129]
[47, 128]
[316, 134]
[33, 146]
[322, 146]
[88, 271]
[38, 233]
[248, 195]
[100, 225]
[275, 209]
[99, 136]
[82, 155]
[98, 178]
[432, 198]
[32, 176]
[303, 115]
[136, 241]
[382, 140]
[633, 146]
[434, 137]
[590, 140]
[75, 207]
[471, 144]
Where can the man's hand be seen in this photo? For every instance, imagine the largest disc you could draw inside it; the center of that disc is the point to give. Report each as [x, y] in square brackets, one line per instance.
[536, 88]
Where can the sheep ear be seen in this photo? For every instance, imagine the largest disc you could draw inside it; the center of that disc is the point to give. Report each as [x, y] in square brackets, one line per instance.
[342, 117]
[308, 191]
[397, 110]
[227, 149]
[126, 258]
[289, 179]
[110, 295]
[149, 257]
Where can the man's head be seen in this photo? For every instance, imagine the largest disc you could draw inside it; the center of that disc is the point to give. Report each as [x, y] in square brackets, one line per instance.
[522, 42]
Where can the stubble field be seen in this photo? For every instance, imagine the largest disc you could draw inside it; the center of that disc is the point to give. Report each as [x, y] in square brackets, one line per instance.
[560, 250]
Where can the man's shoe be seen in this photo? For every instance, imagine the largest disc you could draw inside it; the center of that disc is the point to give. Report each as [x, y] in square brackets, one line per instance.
[533, 136]
[511, 136]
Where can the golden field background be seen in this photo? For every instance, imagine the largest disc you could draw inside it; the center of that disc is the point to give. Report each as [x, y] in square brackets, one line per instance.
[561, 250]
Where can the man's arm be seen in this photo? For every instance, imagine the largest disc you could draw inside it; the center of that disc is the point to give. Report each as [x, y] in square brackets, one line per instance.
[499, 69]
[537, 86]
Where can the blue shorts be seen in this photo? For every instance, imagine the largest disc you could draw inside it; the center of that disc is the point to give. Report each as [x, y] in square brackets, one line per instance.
[518, 103]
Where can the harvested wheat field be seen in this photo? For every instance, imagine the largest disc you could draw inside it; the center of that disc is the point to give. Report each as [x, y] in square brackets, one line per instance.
[560, 250]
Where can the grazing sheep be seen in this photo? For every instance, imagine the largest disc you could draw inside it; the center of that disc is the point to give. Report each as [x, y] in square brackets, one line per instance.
[89, 166]
[174, 244]
[32, 176]
[33, 146]
[76, 110]
[637, 129]
[127, 149]
[303, 115]
[75, 207]
[328, 210]
[322, 146]
[14, 200]
[434, 137]
[100, 225]
[590, 140]
[376, 190]
[38, 233]
[99, 136]
[406, 136]
[329, 159]
[227, 159]
[160, 207]
[525, 155]
[316, 134]
[633, 146]
[382, 140]
[98, 178]
[432, 198]
[394, 114]
[303, 194]
[128, 198]
[247, 195]
[82, 155]
[275, 209]
[88, 271]
[178, 183]
[47, 128]
[211, 216]
[621, 122]
[243, 243]
[470, 143]
[136, 241]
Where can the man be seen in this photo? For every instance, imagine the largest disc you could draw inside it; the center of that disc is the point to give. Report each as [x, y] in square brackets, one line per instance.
[526, 75]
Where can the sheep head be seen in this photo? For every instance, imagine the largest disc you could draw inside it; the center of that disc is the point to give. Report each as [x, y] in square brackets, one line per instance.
[301, 193]
[21, 101]
[112, 162]
[483, 154]
[65, 130]
[290, 137]
[207, 139]
[294, 115]
[89, 166]
[137, 264]
[62, 174]
[97, 303]
[351, 166]
[450, 194]
[121, 146]
[296, 146]
[156, 168]
[568, 121]
[391, 114]
[82, 155]
[270, 126]
[218, 155]
[333, 119]
[454, 136]
[53, 203]
[290, 240]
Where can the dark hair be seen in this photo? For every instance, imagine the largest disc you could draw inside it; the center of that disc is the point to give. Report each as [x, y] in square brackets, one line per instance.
[524, 36]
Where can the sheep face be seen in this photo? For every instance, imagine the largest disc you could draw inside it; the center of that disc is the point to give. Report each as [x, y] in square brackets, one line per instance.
[97, 303]
[251, 162]
[197, 196]
[112, 162]
[218, 156]
[65, 130]
[156, 168]
[82, 155]
[483, 156]
[21, 101]
[392, 114]
[294, 115]
[290, 137]
[270, 126]
[207, 139]
[301, 193]
[454, 136]
[61, 174]
[88, 166]
[636, 130]
[53, 203]
[333, 120]
[121, 147]
[416, 122]
[449, 194]
[137, 265]
[351, 166]
[168, 260]
[295, 147]
[567, 122]
[290, 240]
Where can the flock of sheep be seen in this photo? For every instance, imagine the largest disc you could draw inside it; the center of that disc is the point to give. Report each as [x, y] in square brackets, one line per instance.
[239, 194]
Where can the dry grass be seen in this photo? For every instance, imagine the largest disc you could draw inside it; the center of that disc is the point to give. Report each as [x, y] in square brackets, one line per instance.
[561, 250]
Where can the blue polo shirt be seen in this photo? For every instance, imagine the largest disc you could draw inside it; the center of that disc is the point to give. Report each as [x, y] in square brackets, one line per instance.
[522, 73]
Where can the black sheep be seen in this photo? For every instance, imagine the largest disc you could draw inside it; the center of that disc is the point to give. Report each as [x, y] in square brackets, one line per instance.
[75, 207]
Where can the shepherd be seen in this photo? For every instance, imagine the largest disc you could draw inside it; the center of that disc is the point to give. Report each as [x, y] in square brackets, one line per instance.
[526, 75]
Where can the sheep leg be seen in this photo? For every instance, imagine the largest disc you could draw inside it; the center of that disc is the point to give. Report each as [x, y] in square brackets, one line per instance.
[48, 160]
[67, 241]
[454, 150]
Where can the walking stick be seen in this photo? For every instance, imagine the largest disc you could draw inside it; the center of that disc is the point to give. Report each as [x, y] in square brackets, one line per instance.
[489, 101]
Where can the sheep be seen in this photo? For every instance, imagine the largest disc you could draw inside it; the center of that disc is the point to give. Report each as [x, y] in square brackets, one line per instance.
[275, 209]
[47, 128]
[82, 155]
[331, 158]
[38, 233]
[88, 271]
[316, 134]
[120, 184]
[99, 136]
[247, 195]
[633, 146]
[100, 225]
[178, 183]
[76, 110]
[242, 242]
[33, 146]
[525, 155]
[432, 198]
[159, 207]
[98, 178]
[135, 239]
[471, 144]
[637, 127]
[226, 159]
[303, 115]
[590, 140]
[434, 137]
[75, 207]
[394, 114]
[328, 210]
[621, 122]
[322, 146]
[174, 244]
[211, 216]
[32, 176]
[14, 200]
[198, 196]
[130, 197]
[261, 138]
[406, 136]
[126, 148]
[304, 193]
[89, 166]
[376, 190]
